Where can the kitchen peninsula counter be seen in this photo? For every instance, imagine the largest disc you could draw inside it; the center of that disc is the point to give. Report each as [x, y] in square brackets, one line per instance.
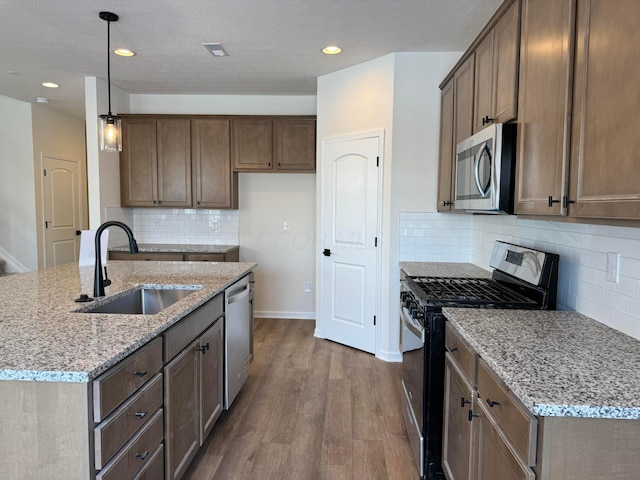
[43, 337]
[175, 248]
[557, 363]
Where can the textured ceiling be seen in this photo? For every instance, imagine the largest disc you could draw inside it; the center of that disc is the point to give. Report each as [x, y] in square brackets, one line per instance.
[273, 45]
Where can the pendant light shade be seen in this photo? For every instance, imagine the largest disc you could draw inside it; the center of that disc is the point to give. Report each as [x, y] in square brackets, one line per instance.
[110, 126]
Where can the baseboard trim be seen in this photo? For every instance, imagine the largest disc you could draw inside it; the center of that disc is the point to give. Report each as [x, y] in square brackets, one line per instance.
[387, 356]
[12, 264]
[285, 315]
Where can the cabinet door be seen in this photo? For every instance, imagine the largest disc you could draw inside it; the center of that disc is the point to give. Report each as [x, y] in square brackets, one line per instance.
[174, 162]
[495, 456]
[446, 172]
[458, 430]
[182, 413]
[138, 162]
[506, 55]
[252, 144]
[211, 347]
[544, 106]
[295, 145]
[483, 91]
[215, 185]
[463, 81]
[496, 71]
[605, 179]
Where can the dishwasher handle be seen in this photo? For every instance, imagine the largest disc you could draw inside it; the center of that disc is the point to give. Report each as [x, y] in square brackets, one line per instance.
[237, 296]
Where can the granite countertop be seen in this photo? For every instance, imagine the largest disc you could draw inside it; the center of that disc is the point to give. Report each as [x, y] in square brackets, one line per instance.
[175, 248]
[44, 338]
[444, 269]
[557, 363]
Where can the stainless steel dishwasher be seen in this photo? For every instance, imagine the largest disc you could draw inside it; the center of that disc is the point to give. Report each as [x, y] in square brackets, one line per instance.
[237, 338]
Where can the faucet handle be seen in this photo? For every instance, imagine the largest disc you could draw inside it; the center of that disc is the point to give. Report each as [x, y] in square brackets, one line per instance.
[106, 282]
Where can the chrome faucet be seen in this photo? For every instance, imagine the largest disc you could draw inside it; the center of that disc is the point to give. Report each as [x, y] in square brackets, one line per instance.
[99, 282]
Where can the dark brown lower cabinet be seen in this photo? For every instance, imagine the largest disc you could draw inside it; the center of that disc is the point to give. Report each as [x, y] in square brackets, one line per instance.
[495, 457]
[193, 398]
[458, 430]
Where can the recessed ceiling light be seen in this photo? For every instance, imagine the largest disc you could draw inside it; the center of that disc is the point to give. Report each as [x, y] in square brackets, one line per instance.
[50, 85]
[331, 50]
[123, 52]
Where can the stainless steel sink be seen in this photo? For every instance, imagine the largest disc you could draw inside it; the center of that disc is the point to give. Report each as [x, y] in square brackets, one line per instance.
[142, 301]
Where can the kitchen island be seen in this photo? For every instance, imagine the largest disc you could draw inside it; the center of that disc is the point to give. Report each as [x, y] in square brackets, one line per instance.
[554, 391]
[51, 352]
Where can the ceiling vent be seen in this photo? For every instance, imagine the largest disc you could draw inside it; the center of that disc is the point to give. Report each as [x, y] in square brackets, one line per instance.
[215, 49]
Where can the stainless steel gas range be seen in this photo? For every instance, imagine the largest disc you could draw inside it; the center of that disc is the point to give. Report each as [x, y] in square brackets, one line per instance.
[523, 278]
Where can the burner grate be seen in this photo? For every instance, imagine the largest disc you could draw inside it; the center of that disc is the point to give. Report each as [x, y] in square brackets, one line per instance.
[478, 292]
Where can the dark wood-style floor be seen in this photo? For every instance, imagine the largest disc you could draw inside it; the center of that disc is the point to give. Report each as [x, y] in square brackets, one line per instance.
[311, 409]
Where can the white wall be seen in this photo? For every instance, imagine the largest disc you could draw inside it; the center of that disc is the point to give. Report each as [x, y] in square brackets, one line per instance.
[399, 94]
[286, 258]
[284, 264]
[17, 190]
[103, 168]
[62, 136]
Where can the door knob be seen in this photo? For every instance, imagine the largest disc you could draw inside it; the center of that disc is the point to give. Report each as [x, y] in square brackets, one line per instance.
[326, 252]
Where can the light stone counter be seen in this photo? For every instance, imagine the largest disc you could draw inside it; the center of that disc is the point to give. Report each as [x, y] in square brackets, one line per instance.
[43, 338]
[559, 364]
[444, 269]
[175, 248]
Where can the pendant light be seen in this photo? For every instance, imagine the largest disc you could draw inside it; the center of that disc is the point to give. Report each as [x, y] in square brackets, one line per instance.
[110, 125]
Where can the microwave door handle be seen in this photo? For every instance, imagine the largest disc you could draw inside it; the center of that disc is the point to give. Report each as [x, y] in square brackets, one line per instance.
[484, 191]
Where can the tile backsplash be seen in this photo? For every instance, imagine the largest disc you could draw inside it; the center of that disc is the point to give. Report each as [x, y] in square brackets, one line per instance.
[583, 284]
[181, 226]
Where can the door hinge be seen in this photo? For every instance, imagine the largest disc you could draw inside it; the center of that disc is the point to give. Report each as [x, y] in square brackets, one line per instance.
[377, 161]
[374, 320]
[375, 242]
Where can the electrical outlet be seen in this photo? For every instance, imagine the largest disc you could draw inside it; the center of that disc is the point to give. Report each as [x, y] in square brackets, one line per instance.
[213, 224]
[307, 287]
[613, 264]
[286, 226]
[156, 224]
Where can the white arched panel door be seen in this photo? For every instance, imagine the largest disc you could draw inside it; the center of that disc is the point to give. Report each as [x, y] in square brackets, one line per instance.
[349, 242]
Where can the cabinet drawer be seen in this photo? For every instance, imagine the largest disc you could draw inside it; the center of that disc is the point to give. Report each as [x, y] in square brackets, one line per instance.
[187, 329]
[154, 468]
[205, 257]
[118, 428]
[463, 354]
[137, 453]
[147, 256]
[114, 386]
[519, 425]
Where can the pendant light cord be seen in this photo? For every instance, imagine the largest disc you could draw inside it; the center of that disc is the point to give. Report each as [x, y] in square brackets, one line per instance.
[109, 63]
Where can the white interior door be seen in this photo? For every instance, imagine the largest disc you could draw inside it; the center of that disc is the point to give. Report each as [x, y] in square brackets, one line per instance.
[61, 207]
[349, 244]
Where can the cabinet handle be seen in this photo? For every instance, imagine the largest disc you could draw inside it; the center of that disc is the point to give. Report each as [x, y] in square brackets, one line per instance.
[203, 348]
[492, 404]
[140, 374]
[447, 203]
[269, 163]
[453, 349]
[143, 455]
[566, 201]
[463, 402]
[471, 415]
[486, 120]
[552, 201]
[140, 414]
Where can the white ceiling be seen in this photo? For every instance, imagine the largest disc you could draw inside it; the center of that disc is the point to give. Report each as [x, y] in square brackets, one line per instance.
[273, 45]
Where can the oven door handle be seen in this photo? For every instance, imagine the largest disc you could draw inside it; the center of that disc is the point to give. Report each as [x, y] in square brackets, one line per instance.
[411, 324]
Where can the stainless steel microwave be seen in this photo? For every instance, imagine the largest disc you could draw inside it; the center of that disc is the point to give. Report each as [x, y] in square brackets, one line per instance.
[485, 170]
